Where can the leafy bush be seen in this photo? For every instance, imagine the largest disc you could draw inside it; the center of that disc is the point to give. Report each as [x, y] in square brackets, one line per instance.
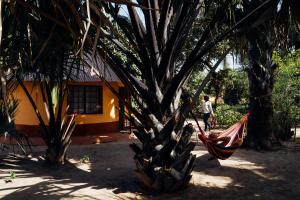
[236, 87]
[227, 116]
[241, 108]
[286, 94]
[192, 85]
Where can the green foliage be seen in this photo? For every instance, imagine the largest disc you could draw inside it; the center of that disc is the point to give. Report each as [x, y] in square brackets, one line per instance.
[12, 175]
[231, 84]
[286, 94]
[227, 116]
[219, 81]
[236, 89]
[85, 159]
[194, 81]
[241, 108]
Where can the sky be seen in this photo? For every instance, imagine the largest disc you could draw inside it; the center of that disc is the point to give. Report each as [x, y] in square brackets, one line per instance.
[233, 62]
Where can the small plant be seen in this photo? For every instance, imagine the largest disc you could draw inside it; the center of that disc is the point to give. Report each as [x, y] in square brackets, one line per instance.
[85, 159]
[12, 175]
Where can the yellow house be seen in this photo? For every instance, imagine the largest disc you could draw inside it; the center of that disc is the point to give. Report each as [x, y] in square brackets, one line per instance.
[96, 108]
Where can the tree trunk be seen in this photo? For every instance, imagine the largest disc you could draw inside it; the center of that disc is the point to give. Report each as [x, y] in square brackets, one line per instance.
[57, 136]
[60, 142]
[260, 123]
[260, 74]
[163, 167]
[218, 95]
[56, 155]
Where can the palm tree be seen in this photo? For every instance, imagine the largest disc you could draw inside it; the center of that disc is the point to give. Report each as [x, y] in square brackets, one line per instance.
[39, 40]
[59, 125]
[143, 49]
[268, 33]
[8, 105]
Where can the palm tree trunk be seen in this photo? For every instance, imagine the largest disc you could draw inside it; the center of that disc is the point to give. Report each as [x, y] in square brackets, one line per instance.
[260, 75]
[260, 123]
[56, 155]
[162, 167]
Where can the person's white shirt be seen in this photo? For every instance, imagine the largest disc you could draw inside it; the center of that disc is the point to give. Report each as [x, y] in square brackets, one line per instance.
[207, 108]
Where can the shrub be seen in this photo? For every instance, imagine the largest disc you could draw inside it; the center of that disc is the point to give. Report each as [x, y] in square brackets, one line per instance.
[286, 94]
[236, 88]
[241, 108]
[227, 116]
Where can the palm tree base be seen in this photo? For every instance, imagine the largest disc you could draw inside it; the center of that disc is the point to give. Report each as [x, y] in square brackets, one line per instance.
[55, 156]
[163, 181]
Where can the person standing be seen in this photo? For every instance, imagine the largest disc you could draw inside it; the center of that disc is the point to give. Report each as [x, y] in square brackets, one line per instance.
[207, 111]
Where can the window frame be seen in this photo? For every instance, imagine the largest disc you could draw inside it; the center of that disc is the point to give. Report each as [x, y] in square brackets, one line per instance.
[100, 98]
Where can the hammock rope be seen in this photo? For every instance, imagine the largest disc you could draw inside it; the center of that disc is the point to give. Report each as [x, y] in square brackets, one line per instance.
[225, 144]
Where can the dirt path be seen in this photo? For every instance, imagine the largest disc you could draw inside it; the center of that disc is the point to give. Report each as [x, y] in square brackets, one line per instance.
[247, 175]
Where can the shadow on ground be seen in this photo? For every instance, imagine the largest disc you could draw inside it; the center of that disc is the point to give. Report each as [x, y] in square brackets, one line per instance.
[247, 175]
[111, 169]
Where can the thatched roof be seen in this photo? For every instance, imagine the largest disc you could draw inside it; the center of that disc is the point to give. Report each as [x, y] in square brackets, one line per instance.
[89, 70]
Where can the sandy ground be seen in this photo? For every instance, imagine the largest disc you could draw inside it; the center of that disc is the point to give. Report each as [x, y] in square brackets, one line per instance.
[110, 175]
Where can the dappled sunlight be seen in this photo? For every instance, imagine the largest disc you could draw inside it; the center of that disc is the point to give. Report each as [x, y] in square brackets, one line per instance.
[5, 173]
[82, 166]
[110, 175]
[108, 193]
[268, 176]
[101, 138]
[112, 112]
[241, 164]
[255, 168]
[80, 119]
[199, 152]
[54, 187]
[19, 184]
[41, 188]
[204, 180]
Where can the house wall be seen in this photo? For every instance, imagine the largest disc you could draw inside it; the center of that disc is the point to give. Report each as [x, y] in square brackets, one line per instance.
[87, 124]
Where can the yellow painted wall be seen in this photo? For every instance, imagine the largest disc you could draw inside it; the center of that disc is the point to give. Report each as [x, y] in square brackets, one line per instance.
[25, 114]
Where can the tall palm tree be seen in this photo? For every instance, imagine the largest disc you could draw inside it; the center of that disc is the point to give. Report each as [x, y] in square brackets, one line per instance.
[143, 48]
[269, 31]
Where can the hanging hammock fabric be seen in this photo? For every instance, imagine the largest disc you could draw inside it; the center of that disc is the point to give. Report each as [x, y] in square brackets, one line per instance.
[225, 144]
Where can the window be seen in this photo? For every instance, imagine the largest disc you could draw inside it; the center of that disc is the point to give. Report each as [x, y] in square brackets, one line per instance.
[85, 99]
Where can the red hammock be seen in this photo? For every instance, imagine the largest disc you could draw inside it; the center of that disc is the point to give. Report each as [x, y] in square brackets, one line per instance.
[224, 145]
